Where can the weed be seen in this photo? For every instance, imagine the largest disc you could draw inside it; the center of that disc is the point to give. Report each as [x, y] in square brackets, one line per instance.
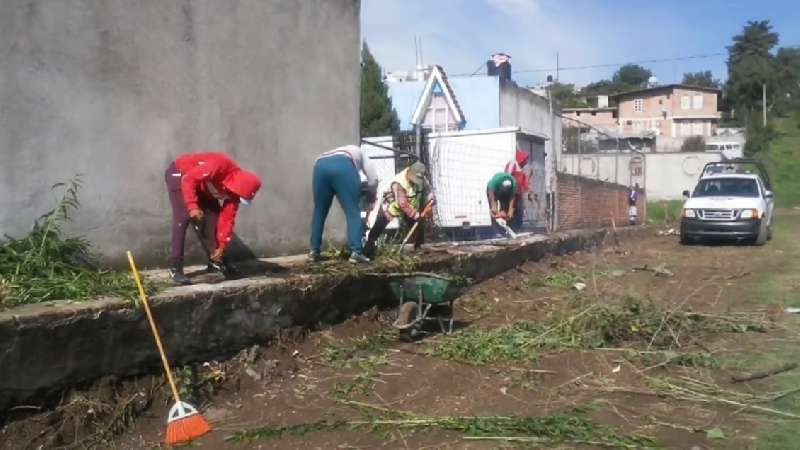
[664, 357]
[367, 353]
[244, 437]
[704, 392]
[339, 355]
[565, 279]
[638, 321]
[557, 429]
[480, 347]
[597, 326]
[196, 385]
[46, 266]
[362, 383]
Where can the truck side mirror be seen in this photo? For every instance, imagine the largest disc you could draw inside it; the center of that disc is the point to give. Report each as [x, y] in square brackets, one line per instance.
[769, 194]
[686, 194]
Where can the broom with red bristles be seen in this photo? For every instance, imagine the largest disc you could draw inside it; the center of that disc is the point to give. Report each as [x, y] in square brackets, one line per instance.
[184, 423]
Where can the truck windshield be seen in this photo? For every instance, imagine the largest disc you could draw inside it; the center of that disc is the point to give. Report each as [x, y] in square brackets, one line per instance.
[734, 187]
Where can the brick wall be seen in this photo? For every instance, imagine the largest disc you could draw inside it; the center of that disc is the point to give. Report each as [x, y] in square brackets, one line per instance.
[587, 203]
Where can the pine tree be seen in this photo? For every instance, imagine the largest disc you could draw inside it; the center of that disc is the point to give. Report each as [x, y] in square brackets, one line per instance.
[378, 118]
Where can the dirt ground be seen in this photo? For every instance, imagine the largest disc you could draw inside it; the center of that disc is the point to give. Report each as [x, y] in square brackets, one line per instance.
[682, 320]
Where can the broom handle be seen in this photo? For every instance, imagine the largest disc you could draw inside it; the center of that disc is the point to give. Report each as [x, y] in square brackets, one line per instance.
[160, 346]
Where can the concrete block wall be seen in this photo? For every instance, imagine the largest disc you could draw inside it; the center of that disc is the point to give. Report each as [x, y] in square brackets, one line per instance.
[116, 89]
[587, 203]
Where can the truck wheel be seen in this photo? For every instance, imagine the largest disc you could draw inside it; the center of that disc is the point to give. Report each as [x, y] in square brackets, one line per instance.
[769, 232]
[761, 239]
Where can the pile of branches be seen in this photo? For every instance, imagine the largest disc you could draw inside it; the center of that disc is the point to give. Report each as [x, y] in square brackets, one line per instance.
[45, 265]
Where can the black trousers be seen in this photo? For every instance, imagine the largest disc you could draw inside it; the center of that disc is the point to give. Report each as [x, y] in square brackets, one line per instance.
[380, 227]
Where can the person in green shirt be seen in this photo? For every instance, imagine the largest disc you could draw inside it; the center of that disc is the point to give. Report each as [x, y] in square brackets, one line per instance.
[501, 191]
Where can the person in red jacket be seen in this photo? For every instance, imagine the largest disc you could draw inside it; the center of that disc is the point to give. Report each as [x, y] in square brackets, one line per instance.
[515, 169]
[206, 185]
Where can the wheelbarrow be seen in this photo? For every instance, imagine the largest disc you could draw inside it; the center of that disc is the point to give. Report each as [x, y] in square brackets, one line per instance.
[423, 297]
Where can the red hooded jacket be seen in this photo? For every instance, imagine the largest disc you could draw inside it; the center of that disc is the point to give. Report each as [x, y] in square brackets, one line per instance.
[205, 173]
[514, 168]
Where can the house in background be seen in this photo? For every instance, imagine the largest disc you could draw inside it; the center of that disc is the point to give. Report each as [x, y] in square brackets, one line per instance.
[672, 113]
[666, 115]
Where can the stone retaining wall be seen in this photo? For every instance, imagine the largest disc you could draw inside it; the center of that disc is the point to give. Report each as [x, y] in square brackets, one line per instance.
[47, 348]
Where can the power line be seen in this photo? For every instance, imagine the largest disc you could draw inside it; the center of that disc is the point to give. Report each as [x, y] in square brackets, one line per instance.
[604, 65]
[643, 61]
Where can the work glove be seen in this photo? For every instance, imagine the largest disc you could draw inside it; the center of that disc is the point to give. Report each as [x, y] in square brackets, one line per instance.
[196, 214]
[216, 256]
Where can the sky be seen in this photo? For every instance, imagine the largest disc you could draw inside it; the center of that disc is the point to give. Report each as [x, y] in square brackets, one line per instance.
[461, 34]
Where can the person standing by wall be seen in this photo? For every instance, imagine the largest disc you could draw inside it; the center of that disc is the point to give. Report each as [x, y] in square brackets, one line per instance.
[408, 192]
[633, 199]
[515, 168]
[210, 187]
[337, 173]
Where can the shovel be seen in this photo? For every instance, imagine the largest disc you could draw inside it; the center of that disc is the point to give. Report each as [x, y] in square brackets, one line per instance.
[424, 212]
[502, 223]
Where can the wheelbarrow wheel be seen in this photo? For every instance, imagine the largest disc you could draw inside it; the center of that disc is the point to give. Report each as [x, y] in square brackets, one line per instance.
[406, 316]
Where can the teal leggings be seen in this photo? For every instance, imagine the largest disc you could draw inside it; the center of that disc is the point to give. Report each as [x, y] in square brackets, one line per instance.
[336, 176]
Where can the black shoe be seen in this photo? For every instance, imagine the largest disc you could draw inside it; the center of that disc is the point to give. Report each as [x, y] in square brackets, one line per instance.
[177, 276]
[314, 256]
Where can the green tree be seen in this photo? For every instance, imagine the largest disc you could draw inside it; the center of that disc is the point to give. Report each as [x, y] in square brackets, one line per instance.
[602, 87]
[752, 65]
[701, 79]
[632, 75]
[378, 118]
[788, 61]
[567, 96]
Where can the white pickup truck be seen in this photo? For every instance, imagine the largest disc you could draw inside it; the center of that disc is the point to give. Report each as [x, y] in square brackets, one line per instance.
[730, 202]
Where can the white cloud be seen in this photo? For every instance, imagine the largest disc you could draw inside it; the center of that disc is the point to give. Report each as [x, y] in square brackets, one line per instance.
[516, 8]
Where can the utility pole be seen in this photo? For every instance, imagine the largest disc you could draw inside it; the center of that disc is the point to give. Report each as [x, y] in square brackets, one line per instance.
[557, 67]
[764, 102]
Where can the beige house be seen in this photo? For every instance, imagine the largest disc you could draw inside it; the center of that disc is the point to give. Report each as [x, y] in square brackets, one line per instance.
[669, 114]
[671, 111]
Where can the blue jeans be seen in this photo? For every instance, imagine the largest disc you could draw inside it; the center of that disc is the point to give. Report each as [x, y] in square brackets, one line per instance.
[336, 176]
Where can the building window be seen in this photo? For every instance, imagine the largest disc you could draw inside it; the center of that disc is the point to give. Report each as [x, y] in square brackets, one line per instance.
[638, 105]
[686, 102]
[594, 113]
[697, 102]
[661, 101]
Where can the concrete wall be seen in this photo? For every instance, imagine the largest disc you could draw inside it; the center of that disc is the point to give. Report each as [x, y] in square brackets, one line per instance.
[532, 113]
[665, 177]
[585, 203]
[116, 90]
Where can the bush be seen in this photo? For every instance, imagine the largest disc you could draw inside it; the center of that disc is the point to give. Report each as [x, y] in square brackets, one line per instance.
[694, 144]
[759, 138]
[44, 265]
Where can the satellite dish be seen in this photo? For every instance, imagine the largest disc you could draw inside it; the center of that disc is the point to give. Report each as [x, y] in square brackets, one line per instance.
[652, 81]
